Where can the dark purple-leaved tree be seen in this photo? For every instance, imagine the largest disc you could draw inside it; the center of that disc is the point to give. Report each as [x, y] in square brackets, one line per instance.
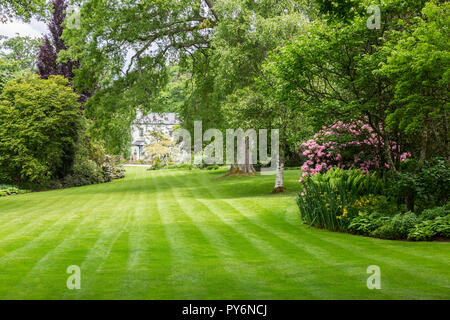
[48, 52]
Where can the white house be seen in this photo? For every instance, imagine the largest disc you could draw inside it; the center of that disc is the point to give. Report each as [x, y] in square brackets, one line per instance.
[163, 122]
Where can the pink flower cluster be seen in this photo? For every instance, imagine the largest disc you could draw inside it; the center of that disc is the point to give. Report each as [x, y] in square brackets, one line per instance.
[361, 148]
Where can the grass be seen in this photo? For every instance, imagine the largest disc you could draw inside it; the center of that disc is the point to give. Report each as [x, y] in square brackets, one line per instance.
[175, 234]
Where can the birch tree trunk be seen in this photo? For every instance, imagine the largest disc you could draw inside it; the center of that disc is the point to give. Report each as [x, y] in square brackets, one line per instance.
[279, 179]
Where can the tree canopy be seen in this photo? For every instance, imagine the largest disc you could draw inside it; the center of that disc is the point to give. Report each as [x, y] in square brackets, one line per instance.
[20, 9]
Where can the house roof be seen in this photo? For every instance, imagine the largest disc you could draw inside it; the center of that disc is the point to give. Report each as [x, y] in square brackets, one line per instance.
[139, 142]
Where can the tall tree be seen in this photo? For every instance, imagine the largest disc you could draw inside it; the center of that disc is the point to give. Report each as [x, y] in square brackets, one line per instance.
[221, 44]
[224, 73]
[48, 55]
[333, 72]
[419, 69]
[53, 44]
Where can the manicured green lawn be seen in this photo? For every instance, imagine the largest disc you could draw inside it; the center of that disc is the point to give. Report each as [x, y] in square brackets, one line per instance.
[193, 235]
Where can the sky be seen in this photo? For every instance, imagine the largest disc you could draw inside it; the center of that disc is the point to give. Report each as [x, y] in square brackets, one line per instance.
[33, 29]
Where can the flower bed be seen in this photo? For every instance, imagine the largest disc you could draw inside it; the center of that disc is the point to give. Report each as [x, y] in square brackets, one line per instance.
[354, 202]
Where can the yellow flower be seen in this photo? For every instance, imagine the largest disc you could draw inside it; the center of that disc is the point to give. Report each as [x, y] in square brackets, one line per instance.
[345, 212]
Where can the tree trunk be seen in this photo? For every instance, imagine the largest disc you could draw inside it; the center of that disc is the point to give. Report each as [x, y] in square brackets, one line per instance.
[389, 158]
[423, 147]
[279, 179]
[245, 168]
[409, 201]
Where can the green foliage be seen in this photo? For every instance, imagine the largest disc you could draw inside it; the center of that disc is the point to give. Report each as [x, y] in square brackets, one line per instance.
[92, 166]
[433, 185]
[397, 227]
[176, 93]
[334, 73]
[429, 229]
[40, 122]
[22, 9]
[84, 172]
[6, 190]
[429, 225]
[341, 9]
[427, 184]
[112, 169]
[347, 200]
[327, 199]
[366, 224]
[8, 69]
[220, 47]
[113, 117]
[22, 50]
[159, 166]
[436, 212]
[418, 66]
[17, 56]
[159, 148]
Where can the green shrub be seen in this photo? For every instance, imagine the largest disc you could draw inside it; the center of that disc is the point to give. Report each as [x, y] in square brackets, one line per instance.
[327, 199]
[397, 227]
[84, 172]
[431, 214]
[112, 169]
[158, 166]
[422, 232]
[212, 167]
[92, 165]
[420, 185]
[429, 229]
[366, 224]
[7, 190]
[442, 226]
[40, 121]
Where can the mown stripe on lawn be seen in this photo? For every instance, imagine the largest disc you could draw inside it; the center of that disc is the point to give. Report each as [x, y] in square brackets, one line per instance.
[352, 258]
[36, 249]
[190, 234]
[237, 273]
[282, 258]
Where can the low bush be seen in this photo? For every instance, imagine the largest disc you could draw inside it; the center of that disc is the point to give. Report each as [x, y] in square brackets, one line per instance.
[92, 165]
[7, 190]
[112, 168]
[366, 224]
[430, 229]
[158, 166]
[431, 224]
[396, 227]
[431, 214]
[84, 172]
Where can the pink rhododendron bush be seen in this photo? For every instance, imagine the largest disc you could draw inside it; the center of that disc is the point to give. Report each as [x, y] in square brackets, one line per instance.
[354, 145]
